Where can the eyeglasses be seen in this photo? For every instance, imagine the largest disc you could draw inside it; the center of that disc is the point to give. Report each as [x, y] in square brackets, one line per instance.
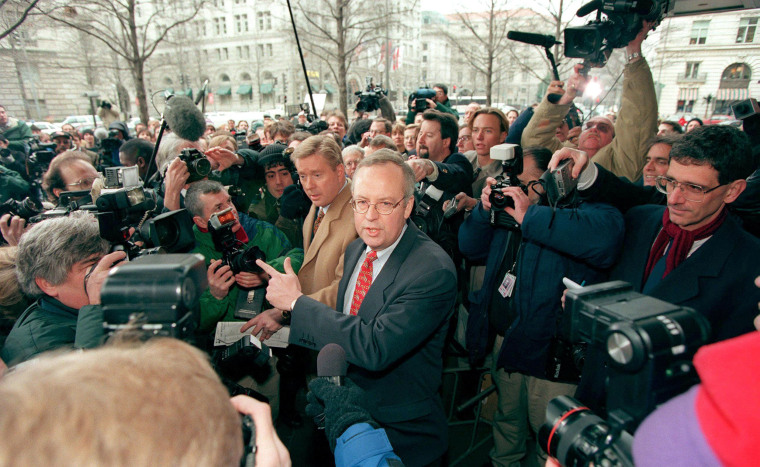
[691, 192]
[85, 182]
[464, 138]
[600, 126]
[383, 207]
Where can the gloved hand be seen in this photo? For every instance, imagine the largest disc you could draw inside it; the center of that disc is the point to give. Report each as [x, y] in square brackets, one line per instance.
[341, 407]
[294, 203]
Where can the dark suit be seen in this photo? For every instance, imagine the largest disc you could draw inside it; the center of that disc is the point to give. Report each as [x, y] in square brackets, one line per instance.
[717, 280]
[394, 345]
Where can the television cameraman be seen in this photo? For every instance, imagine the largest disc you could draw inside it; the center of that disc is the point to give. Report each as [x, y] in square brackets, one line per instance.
[440, 103]
[61, 262]
[620, 146]
[520, 300]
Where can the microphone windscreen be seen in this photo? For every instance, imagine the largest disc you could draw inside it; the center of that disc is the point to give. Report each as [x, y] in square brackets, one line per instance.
[184, 118]
[331, 361]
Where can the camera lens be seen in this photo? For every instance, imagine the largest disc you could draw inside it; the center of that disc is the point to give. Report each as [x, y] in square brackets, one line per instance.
[572, 433]
[245, 261]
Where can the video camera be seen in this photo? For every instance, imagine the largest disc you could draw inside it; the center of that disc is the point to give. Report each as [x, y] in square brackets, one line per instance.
[595, 41]
[369, 99]
[123, 203]
[648, 346]
[511, 159]
[418, 99]
[428, 214]
[234, 253]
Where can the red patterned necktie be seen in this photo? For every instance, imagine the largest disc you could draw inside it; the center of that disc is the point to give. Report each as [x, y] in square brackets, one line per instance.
[363, 282]
[320, 216]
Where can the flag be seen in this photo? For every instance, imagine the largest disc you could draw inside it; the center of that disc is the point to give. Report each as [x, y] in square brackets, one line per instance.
[397, 58]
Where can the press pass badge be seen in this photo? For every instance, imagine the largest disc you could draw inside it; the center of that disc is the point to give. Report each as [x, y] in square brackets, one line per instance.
[507, 285]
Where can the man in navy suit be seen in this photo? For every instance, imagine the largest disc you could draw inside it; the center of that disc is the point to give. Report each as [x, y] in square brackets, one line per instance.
[391, 316]
[693, 252]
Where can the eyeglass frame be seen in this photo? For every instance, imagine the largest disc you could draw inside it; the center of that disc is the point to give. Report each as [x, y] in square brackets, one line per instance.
[82, 181]
[369, 206]
[588, 125]
[677, 184]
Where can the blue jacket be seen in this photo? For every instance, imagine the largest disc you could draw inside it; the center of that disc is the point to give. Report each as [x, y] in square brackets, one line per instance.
[580, 245]
[363, 446]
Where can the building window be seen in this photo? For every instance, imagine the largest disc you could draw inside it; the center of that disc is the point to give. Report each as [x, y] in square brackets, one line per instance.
[217, 27]
[238, 24]
[247, 51]
[245, 23]
[239, 52]
[692, 69]
[224, 25]
[699, 32]
[265, 20]
[226, 54]
[424, 59]
[218, 54]
[747, 28]
[424, 46]
[685, 106]
[261, 50]
[269, 50]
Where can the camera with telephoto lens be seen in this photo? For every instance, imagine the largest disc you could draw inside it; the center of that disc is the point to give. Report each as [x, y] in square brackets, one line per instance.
[38, 160]
[648, 346]
[25, 209]
[369, 99]
[511, 159]
[197, 164]
[595, 41]
[418, 99]
[235, 253]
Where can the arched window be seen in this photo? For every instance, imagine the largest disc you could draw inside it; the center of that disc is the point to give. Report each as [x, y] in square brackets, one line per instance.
[736, 75]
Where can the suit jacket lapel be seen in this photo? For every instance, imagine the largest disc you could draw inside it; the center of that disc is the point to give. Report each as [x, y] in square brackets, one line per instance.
[308, 225]
[709, 260]
[375, 299]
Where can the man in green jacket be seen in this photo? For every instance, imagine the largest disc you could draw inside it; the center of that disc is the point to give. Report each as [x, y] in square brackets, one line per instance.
[220, 301]
[61, 262]
[16, 131]
[440, 103]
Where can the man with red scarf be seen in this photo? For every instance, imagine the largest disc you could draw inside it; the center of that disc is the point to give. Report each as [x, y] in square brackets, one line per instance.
[693, 252]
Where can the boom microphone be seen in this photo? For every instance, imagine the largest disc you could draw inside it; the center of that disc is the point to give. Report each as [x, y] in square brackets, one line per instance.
[331, 364]
[589, 7]
[543, 40]
[184, 118]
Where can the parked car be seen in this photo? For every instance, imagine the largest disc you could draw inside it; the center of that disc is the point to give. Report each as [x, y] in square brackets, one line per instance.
[46, 127]
[79, 120]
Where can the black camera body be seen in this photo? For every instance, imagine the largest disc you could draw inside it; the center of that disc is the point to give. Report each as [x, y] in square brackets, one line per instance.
[197, 164]
[418, 99]
[369, 99]
[428, 214]
[234, 253]
[649, 345]
[157, 295]
[25, 209]
[510, 156]
[595, 41]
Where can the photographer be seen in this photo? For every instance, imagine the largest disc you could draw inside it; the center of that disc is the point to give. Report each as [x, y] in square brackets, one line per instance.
[619, 147]
[278, 175]
[157, 403]
[519, 302]
[15, 131]
[138, 152]
[62, 262]
[69, 171]
[440, 103]
[220, 301]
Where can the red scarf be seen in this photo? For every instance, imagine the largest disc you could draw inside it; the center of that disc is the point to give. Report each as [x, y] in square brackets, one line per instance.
[682, 239]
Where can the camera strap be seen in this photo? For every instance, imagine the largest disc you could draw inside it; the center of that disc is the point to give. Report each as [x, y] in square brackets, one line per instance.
[507, 285]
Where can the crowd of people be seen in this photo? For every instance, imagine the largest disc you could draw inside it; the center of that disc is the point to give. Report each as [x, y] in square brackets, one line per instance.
[400, 239]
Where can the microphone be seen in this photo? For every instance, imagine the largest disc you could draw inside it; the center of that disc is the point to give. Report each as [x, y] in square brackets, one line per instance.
[543, 40]
[331, 364]
[184, 118]
[589, 7]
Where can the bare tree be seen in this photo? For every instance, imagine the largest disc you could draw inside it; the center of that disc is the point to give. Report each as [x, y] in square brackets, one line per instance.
[336, 29]
[130, 34]
[13, 13]
[485, 43]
